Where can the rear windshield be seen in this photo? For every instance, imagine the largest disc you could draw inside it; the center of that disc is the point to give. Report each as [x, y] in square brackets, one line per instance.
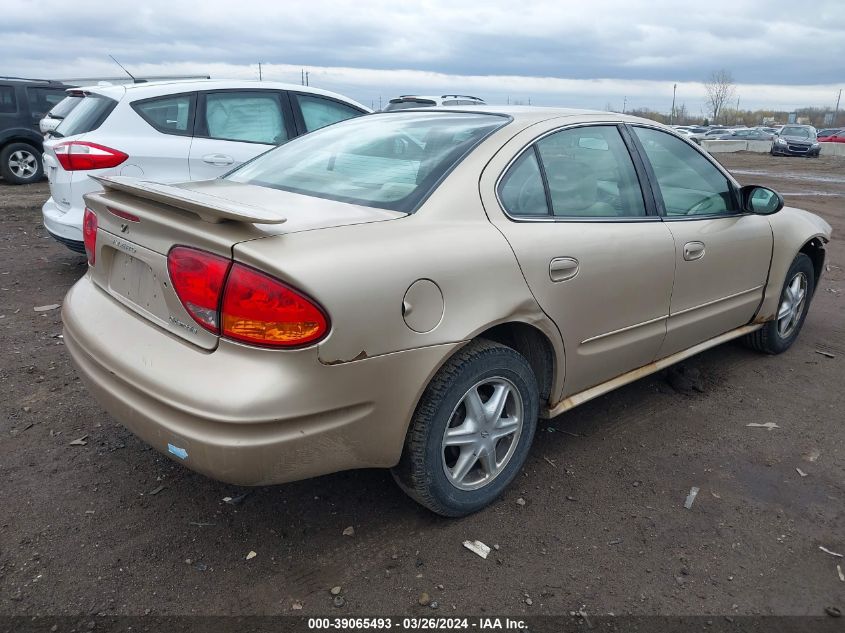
[63, 107]
[86, 116]
[405, 104]
[389, 161]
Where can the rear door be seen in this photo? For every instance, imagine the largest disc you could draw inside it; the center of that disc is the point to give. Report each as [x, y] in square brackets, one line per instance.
[722, 254]
[234, 126]
[595, 254]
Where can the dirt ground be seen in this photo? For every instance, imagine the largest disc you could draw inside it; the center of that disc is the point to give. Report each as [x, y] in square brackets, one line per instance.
[111, 527]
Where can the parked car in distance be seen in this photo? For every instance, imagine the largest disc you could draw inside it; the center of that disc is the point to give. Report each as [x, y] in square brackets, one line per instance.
[59, 111]
[416, 101]
[748, 134]
[412, 289]
[832, 136]
[796, 140]
[173, 131]
[22, 104]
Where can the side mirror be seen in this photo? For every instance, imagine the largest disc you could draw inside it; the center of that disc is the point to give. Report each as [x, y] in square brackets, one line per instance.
[761, 200]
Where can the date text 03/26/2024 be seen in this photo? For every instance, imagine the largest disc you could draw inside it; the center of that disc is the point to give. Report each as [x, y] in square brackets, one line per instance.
[417, 624]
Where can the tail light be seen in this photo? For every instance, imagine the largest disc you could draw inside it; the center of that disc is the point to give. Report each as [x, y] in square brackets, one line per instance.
[261, 310]
[242, 303]
[82, 156]
[89, 235]
[198, 279]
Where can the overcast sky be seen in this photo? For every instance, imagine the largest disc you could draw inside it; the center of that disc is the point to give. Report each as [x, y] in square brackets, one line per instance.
[782, 53]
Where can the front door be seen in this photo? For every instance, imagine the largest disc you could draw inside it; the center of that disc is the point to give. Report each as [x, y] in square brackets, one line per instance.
[597, 258]
[722, 254]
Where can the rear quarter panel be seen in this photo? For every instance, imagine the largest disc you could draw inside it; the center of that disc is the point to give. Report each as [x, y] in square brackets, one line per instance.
[360, 275]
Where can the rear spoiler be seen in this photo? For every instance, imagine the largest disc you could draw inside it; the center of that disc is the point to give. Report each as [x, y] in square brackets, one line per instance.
[209, 208]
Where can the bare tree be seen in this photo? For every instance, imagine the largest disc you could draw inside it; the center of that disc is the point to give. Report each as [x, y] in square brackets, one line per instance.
[720, 90]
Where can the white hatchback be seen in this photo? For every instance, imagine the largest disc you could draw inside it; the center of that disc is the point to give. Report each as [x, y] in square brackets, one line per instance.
[173, 132]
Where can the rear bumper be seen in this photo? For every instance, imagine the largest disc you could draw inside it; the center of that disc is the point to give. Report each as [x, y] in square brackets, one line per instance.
[64, 224]
[242, 415]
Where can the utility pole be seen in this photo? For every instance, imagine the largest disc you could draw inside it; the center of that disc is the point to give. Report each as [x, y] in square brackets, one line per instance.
[836, 112]
[302, 77]
[259, 71]
[306, 78]
[672, 114]
[379, 103]
[624, 103]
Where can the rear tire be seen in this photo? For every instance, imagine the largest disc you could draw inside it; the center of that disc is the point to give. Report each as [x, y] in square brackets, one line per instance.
[20, 164]
[778, 335]
[493, 440]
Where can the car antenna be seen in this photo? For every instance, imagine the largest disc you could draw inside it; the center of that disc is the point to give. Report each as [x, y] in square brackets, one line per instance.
[137, 81]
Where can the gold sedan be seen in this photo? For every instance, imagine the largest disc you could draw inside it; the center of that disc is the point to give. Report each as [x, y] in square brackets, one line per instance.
[413, 290]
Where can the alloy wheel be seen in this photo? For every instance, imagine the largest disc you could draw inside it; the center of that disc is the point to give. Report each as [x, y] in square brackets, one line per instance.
[792, 305]
[23, 164]
[482, 433]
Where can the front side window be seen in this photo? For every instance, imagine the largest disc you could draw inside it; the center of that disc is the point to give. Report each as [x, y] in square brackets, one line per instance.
[8, 103]
[171, 115]
[689, 183]
[255, 117]
[390, 161]
[318, 112]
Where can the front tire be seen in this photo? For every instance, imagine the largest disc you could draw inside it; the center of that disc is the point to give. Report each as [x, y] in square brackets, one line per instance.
[471, 431]
[778, 335]
[20, 164]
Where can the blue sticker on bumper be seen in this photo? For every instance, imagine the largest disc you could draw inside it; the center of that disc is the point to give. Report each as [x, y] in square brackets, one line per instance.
[181, 453]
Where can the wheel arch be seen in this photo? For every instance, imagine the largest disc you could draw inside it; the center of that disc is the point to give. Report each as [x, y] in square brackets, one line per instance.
[18, 135]
[814, 249]
[534, 345]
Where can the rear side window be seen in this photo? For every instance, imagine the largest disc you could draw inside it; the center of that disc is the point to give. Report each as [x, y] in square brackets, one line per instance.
[319, 112]
[521, 191]
[8, 103]
[171, 114]
[87, 116]
[255, 117]
[41, 100]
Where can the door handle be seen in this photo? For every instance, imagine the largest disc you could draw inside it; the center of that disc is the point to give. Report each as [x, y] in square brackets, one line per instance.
[693, 251]
[563, 268]
[218, 159]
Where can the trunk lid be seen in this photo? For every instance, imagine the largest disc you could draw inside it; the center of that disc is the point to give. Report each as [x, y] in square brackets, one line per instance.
[140, 221]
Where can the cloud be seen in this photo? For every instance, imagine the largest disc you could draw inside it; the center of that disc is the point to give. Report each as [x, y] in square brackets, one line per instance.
[576, 53]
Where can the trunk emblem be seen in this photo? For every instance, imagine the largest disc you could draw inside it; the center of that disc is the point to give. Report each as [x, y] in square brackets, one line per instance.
[124, 228]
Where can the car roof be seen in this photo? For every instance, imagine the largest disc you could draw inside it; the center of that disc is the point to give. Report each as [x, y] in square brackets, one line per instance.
[174, 86]
[527, 115]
